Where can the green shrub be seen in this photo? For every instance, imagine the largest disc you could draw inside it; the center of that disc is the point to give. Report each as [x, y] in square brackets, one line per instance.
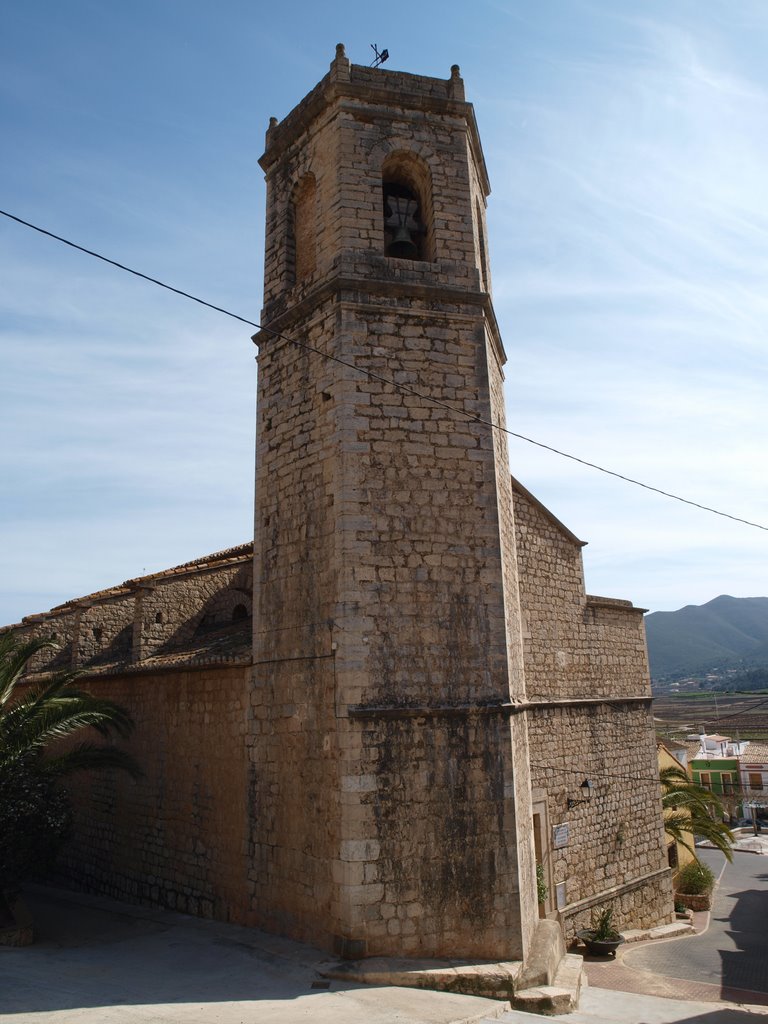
[695, 879]
[602, 925]
[542, 890]
[35, 820]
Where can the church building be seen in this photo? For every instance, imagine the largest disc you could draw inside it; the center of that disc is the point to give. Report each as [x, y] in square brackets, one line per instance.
[396, 725]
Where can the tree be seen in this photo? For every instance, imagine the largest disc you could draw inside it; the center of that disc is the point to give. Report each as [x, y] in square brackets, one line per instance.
[35, 812]
[692, 810]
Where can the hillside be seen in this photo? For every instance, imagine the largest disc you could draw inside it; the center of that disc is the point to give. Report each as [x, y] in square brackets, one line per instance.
[727, 632]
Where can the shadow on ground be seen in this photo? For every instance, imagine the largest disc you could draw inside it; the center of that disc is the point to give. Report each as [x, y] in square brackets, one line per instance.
[746, 967]
[88, 955]
[724, 1016]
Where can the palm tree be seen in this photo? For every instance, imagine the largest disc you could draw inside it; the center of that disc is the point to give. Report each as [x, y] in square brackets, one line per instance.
[693, 810]
[35, 812]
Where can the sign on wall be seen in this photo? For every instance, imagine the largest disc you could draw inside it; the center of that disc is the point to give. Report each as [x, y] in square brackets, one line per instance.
[560, 835]
[560, 897]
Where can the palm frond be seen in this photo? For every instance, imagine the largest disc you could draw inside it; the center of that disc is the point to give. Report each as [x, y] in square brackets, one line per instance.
[695, 810]
[52, 711]
[90, 757]
[55, 711]
[14, 657]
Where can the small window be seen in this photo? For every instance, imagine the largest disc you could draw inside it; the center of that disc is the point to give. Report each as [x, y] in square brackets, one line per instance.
[98, 632]
[159, 619]
[755, 780]
[239, 613]
[672, 855]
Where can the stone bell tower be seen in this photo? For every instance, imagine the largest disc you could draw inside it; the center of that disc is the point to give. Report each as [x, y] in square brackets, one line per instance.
[391, 791]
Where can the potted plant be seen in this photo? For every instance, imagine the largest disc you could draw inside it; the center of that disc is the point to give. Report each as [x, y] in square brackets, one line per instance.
[694, 886]
[601, 939]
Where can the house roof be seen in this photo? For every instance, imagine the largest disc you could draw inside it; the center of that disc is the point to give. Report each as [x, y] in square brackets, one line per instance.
[755, 751]
[692, 749]
[671, 750]
[670, 745]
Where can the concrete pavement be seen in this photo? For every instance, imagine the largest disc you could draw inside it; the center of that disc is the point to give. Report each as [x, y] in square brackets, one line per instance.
[599, 1006]
[101, 962]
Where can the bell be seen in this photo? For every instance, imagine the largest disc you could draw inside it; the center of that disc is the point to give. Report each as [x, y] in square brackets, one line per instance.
[401, 211]
[402, 246]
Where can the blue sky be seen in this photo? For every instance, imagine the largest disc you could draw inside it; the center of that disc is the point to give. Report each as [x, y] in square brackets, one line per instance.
[628, 225]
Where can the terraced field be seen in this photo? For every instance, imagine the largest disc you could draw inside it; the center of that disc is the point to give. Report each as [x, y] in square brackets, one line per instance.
[727, 713]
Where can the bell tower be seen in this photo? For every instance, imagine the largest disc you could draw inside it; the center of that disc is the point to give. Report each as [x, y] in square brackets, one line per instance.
[391, 791]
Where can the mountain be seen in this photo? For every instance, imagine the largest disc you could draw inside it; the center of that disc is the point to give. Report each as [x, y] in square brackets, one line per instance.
[727, 632]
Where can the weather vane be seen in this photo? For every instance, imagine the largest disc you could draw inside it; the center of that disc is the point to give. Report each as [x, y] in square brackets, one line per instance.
[380, 57]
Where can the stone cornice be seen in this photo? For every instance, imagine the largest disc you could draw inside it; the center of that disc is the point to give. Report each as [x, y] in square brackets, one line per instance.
[375, 92]
[342, 286]
[479, 708]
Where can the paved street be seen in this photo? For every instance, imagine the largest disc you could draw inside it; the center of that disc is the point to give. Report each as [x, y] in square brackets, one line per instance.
[101, 962]
[733, 952]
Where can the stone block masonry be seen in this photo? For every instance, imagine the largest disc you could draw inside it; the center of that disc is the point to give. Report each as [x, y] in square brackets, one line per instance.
[384, 545]
[588, 684]
[178, 837]
[174, 648]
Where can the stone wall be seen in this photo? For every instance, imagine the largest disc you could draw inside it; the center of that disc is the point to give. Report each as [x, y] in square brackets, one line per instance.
[173, 648]
[587, 678]
[179, 836]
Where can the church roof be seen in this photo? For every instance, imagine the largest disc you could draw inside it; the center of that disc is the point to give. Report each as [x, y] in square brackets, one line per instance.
[216, 560]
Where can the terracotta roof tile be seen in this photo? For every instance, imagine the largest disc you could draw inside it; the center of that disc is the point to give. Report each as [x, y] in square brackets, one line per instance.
[240, 553]
[755, 751]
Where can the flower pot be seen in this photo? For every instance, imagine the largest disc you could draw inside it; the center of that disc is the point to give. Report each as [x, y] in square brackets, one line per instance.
[600, 947]
[695, 901]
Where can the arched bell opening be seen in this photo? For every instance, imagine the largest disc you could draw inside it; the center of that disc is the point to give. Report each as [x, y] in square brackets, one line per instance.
[407, 208]
[301, 243]
[482, 249]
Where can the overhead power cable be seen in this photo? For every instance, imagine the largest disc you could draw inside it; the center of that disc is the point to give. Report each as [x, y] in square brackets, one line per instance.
[601, 775]
[597, 775]
[371, 375]
[744, 711]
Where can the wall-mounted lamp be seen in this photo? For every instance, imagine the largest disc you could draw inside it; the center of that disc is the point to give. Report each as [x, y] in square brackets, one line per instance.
[586, 794]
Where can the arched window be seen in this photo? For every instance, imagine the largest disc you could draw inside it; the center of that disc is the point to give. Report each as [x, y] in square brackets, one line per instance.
[481, 247]
[239, 613]
[407, 208]
[303, 229]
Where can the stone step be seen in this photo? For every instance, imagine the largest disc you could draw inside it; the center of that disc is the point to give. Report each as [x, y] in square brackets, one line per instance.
[603, 1006]
[491, 980]
[663, 931]
[562, 996]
